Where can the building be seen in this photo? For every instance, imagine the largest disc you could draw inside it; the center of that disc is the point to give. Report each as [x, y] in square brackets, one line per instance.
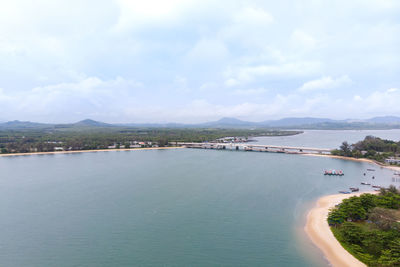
[392, 160]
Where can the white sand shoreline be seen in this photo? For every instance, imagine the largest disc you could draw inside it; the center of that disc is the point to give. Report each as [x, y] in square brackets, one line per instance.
[318, 230]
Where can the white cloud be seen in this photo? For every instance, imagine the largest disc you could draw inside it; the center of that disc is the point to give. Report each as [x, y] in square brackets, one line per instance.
[90, 97]
[247, 26]
[246, 74]
[231, 82]
[207, 51]
[251, 16]
[249, 92]
[325, 82]
[303, 39]
[208, 86]
[137, 13]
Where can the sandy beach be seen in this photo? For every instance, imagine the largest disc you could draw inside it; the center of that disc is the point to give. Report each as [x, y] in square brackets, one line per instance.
[317, 229]
[86, 151]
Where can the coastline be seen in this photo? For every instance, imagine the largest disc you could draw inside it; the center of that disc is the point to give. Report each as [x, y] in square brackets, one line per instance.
[318, 230]
[85, 151]
[395, 168]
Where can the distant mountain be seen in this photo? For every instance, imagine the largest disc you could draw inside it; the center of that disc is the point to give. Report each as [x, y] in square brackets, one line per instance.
[22, 125]
[226, 122]
[386, 122]
[92, 123]
[295, 122]
[385, 119]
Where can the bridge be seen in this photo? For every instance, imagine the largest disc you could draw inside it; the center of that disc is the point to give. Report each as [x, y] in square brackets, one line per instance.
[258, 148]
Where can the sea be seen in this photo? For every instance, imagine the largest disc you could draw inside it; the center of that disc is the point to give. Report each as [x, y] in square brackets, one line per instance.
[176, 207]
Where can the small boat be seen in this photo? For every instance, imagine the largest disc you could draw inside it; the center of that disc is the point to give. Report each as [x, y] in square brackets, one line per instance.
[354, 189]
[334, 172]
[376, 186]
[344, 192]
[371, 170]
[365, 183]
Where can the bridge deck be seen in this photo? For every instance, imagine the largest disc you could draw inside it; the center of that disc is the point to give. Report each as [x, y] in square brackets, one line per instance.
[242, 146]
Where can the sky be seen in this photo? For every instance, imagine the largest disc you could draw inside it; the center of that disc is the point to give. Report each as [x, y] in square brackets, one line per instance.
[193, 61]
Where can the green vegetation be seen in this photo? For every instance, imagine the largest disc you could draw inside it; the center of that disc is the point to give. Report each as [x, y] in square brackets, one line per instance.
[371, 147]
[368, 226]
[97, 137]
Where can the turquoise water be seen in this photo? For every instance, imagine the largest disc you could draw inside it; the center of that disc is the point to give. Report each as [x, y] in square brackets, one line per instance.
[179, 207]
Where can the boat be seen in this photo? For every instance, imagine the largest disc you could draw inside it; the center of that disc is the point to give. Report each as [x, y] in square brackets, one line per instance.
[354, 189]
[334, 172]
[365, 183]
[377, 186]
[371, 170]
[344, 192]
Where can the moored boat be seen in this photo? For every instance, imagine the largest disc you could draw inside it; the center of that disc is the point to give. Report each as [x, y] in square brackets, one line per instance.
[334, 172]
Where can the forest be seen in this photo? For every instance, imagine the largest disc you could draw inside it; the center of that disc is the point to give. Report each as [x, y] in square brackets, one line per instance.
[368, 226]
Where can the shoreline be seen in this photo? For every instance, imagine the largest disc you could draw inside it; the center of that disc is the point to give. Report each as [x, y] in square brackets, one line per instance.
[319, 232]
[395, 168]
[85, 151]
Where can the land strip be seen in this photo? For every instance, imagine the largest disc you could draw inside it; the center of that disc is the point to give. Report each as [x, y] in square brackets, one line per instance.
[86, 151]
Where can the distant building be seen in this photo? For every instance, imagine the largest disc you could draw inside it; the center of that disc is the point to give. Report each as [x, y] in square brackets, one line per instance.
[135, 146]
[58, 148]
[392, 160]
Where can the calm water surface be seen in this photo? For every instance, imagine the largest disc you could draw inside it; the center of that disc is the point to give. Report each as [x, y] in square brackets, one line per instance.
[327, 138]
[165, 207]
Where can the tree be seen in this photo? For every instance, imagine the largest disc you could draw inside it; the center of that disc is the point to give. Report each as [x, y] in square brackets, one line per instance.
[352, 233]
[346, 149]
[336, 217]
[353, 209]
[368, 201]
[391, 256]
[393, 189]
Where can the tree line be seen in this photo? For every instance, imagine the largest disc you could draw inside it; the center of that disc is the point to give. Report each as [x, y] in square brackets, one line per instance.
[371, 147]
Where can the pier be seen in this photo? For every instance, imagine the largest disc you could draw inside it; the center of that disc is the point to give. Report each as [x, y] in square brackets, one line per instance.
[256, 148]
